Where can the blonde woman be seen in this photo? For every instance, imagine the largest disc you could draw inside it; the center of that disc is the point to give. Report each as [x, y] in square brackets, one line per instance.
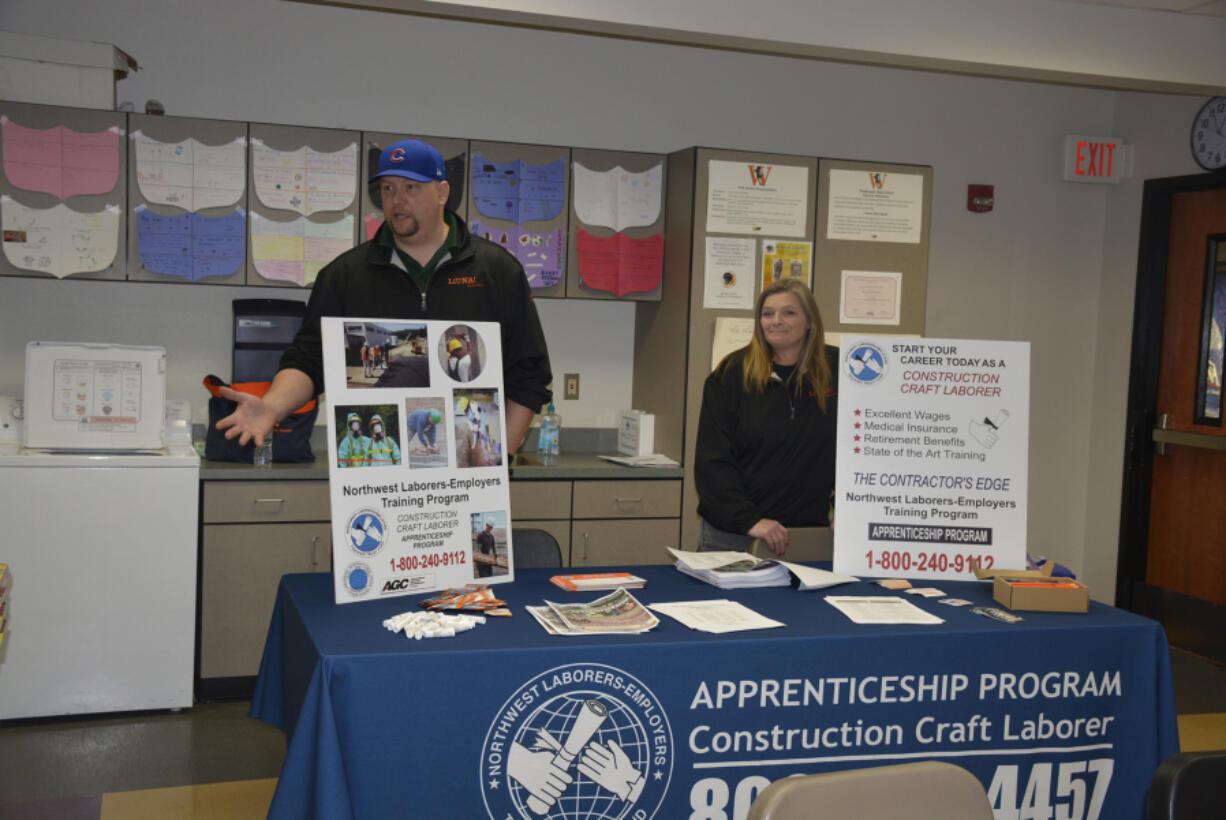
[766, 433]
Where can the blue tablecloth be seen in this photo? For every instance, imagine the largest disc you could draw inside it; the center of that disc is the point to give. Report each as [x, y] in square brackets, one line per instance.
[1067, 712]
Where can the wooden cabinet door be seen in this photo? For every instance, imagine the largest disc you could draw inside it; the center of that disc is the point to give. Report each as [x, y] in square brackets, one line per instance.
[241, 567]
[597, 543]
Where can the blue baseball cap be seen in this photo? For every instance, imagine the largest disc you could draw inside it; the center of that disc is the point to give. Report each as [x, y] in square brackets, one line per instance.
[412, 159]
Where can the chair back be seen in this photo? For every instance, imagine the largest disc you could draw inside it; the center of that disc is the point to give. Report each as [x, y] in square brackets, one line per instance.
[535, 548]
[804, 544]
[1188, 786]
[930, 790]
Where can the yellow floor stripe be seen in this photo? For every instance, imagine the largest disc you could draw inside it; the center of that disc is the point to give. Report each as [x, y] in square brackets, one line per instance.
[237, 800]
[1200, 733]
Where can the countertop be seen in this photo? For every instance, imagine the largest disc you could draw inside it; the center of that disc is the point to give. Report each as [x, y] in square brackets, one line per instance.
[572, 466]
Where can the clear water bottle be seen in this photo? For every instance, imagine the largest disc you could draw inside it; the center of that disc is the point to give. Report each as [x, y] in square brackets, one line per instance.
[547, 441]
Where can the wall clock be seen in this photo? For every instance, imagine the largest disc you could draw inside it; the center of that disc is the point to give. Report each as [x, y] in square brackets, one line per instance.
[1209, 135]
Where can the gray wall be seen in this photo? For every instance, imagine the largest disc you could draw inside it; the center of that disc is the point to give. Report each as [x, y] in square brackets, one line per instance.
[1054, 264]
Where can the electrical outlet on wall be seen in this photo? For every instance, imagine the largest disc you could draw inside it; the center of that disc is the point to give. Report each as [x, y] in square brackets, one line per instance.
[571, 386]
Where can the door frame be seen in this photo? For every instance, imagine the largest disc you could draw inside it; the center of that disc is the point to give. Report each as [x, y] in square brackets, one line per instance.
[1190, 623]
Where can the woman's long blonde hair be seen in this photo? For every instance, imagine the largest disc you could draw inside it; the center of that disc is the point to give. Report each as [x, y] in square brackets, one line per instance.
[811, 367]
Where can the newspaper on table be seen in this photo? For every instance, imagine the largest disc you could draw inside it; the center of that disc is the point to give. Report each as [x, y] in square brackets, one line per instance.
[878, 609]
[731, 570]
[618, 613]
[716, 616]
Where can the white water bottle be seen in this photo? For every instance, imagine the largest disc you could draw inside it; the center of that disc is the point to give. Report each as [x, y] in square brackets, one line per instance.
[547, 440]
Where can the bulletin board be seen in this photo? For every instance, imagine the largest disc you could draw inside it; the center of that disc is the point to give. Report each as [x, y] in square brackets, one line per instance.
[455, 155]
[871, 256]
[187, 200]
[62, 192]
[517, 197]
[615, 244]
[303, 201]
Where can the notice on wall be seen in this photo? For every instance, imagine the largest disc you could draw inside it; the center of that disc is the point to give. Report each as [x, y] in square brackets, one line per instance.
[59, 240]
[618, 199]
[60, 161]
[189, 174]
[932, 457]
[731, 334]
[756, 198]
[870, 297]
[782, 259]
[728, 279]
[304, 180]
[875, 206]
[417, 456]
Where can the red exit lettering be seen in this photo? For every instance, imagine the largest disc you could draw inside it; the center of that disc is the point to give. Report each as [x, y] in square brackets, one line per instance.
[1094, 159]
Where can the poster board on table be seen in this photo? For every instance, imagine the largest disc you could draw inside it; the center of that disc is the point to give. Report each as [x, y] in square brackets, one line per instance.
[932, 456]
[416, 456]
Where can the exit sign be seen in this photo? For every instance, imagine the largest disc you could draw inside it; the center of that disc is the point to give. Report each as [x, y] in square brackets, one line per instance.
[1095, 159]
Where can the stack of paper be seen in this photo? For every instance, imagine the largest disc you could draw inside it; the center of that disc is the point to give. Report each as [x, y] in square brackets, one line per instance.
[718, 616]
[652, 460]
[598, 581]
[731, 570]
[618, 613]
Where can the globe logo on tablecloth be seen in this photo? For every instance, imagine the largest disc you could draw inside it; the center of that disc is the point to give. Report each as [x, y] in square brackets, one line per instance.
[365, 531]
[585, 748]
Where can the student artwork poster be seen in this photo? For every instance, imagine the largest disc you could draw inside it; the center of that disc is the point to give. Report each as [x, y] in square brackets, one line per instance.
[417, 460]
[932, 450]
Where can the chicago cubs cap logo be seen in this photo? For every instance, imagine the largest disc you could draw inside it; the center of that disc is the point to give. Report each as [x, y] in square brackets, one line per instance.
[583, 740]
[397, 155]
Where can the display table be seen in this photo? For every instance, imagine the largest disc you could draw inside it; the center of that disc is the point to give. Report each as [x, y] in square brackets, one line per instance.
[1062, 715]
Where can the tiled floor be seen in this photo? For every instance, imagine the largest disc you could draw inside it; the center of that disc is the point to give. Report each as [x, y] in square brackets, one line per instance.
[215, 763]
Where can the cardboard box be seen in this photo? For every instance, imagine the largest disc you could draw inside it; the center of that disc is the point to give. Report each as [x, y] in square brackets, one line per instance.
[636, 433]
[1040, 594]
[1043, 571]
[54, 71]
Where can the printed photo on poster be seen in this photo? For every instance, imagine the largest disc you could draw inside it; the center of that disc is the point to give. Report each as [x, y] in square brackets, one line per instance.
[385, 354]
[367, 435]
[785, 259]
[461, 352]
[478, 428]
[425, 433]
[489, 544]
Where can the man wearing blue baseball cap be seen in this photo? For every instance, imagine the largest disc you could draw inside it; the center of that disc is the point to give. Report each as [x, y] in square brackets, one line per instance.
[422, 264]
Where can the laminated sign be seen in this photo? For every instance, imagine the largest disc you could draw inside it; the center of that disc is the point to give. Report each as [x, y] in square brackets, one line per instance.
[417, 456]
[932, 457]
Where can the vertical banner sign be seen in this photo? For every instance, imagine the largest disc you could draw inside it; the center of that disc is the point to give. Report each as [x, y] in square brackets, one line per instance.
[416, 456]
[932, 457]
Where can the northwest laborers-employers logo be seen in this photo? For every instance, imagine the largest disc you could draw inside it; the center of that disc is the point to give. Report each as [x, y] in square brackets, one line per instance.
[866, 363]
[583, 740]
[365, 532]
